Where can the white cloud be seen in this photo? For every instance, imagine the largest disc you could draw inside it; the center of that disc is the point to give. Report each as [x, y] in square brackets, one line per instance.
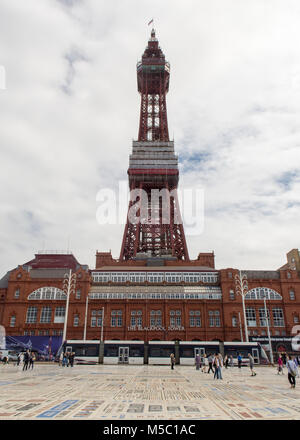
[71, 109]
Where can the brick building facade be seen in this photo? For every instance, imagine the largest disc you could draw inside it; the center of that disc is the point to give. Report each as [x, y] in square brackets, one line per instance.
[149, 300]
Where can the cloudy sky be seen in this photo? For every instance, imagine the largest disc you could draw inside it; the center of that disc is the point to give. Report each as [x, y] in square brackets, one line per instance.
[70, 111]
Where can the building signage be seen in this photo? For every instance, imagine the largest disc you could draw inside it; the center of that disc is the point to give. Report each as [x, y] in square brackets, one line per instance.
[155, 328]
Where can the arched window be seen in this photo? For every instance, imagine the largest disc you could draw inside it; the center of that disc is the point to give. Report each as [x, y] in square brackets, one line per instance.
[261, 293]
[48, 293]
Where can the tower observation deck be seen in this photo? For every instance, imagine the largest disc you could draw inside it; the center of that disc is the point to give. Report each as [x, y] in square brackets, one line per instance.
[153, 165]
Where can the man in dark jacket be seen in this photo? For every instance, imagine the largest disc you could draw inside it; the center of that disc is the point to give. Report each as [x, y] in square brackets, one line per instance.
[26, 360]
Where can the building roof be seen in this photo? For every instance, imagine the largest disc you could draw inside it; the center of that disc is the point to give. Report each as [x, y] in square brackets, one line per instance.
[262, 274]
[4, 280]
[48, 273]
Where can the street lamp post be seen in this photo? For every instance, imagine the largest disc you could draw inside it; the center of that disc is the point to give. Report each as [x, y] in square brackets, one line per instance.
[268, 330]
[69, 283]
[85, 316]
[240, 322]
[241, 285]
[102, 324]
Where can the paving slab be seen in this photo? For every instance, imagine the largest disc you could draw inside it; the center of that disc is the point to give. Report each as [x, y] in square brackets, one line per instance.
[146, 392]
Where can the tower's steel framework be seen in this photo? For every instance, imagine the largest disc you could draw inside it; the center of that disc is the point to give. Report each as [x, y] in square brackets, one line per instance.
[153, 165]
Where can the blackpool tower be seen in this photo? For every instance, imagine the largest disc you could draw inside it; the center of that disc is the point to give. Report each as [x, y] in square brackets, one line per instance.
[153, 169]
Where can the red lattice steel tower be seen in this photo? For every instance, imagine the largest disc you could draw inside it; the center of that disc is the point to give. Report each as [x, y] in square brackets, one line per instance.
[153, 167]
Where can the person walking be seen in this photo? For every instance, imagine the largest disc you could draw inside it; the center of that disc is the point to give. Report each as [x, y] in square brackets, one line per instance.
[226, 361]
[172, 359]
[203, 369]
[61, 357]
[210, 363]
[292, 371]
[71, 358]
[251, 364]
[205, 363]
[197, 361]
[239, 360]
[220, 366]
[231, 361]
[65, 360]
[216, 366]
[280, 365]
[26, 360]
[18, 359]
[31, 360]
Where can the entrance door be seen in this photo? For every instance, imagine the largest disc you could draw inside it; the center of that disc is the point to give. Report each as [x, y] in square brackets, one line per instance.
[200, 351]
[123, 355]
[255, 355]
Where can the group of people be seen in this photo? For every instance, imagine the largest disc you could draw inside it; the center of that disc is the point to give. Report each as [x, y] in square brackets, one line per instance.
[216, 362]
[292, 363]
[66, 359]
[28, 358]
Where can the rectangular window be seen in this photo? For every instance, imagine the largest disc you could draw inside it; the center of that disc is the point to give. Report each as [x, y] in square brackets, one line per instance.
[251, 317]
[116, 318]
[278, 319]
[231, 294]
[292, 295]
[262, 317]
[155, 318]
[46, 315]
[59, 315]
[76, 321]
[12, 321]
[78, 294]
[195, 318]
[214, 318]
[17, 293]
[31, 315]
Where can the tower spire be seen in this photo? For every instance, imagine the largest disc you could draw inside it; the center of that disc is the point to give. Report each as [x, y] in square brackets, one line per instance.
[153, 165]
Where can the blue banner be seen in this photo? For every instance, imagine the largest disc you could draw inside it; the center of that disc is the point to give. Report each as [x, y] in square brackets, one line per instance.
[44, 345]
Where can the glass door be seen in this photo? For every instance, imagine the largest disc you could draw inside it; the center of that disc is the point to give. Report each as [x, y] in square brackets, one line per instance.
[123, 355]
[255, 355]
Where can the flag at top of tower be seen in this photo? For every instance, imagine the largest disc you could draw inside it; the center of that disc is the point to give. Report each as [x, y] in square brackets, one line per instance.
[151, 21]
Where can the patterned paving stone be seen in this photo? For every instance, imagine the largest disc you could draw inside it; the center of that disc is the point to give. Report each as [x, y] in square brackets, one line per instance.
[144, 392]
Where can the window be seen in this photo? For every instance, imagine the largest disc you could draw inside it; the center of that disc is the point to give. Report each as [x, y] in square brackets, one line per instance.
[12, 321]
[261, 293]
[59, 315]
[229, 274]
[296, 319]
[155, 318]
[262, 317]
[234, 321]
[288, 275]
[96, 320]
[278, 319]
[76, 321]
[251, 317]
[214, 318]
[231, 294]
[195, 318]
[31, 315]
[136, 318]
[46, 314]
[175, 318]
[48, 293]
[78, 294]
[116, 318]
[263, 332]
[17, 293]
[292, 295]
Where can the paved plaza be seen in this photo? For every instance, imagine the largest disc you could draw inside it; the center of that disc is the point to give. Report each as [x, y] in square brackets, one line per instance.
[116, 392]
